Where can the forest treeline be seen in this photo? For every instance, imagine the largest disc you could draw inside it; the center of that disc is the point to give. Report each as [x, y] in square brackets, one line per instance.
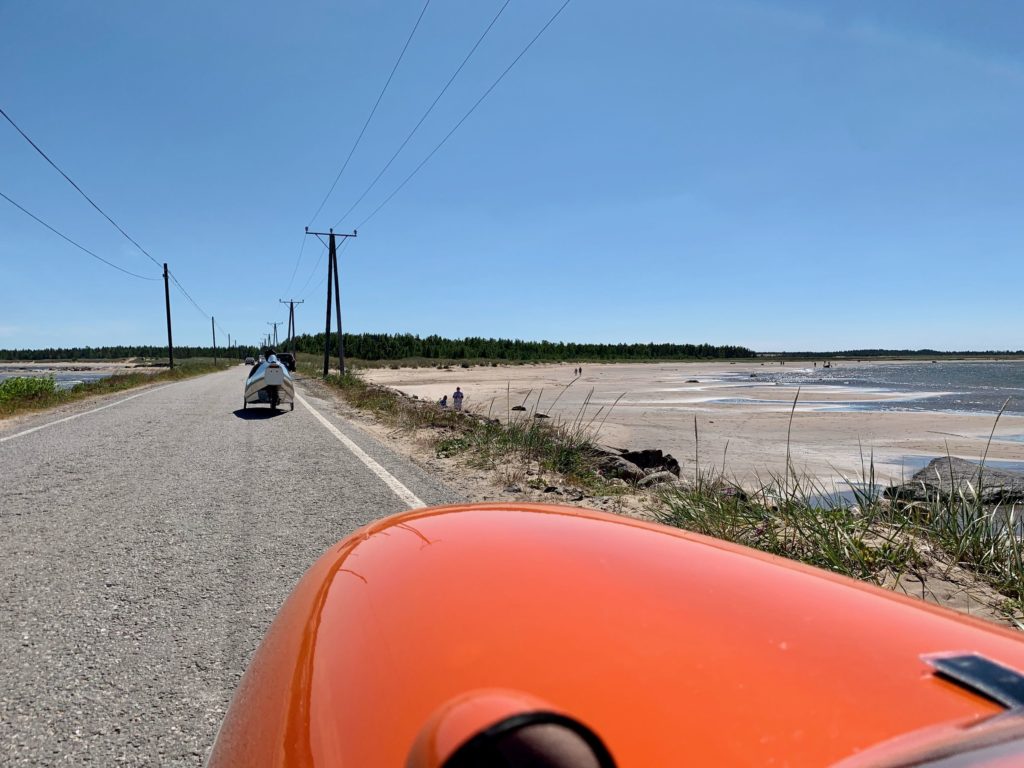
[118, 353]
[386, 346]
[399, 346]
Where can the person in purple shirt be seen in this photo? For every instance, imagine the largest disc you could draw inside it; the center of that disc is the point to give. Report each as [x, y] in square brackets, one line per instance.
[457, 398]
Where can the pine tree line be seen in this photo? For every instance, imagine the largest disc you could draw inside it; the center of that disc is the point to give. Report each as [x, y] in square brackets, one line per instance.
[119, 352]
[386, 346]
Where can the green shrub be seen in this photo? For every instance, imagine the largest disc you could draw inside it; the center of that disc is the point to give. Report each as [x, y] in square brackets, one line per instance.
[27, 389]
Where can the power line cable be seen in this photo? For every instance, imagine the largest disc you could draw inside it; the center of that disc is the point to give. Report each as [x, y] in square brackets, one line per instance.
[201, 311]
[372, 113]
[68, 239]
[186, 294]
[297, 262]
[320, 283]
[425, 114]
[72, 183]
[100, 210]
[466, 116]
[302, 247]
[315, 268]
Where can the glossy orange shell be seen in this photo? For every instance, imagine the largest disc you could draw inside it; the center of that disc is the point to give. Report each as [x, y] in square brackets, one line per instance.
[676, 649]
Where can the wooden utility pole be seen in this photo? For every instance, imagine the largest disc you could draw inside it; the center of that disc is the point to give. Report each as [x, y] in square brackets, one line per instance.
[337, 309]
[213, 329]
[167, 303]
[275, 334]
[291, 322]
[327, 329]
[332, 274]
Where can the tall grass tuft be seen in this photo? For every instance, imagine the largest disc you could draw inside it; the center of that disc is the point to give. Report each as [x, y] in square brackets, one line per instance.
[787, 517]
[523, 442]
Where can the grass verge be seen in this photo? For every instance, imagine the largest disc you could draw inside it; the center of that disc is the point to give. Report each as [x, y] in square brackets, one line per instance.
[520, 445]
[25, 394]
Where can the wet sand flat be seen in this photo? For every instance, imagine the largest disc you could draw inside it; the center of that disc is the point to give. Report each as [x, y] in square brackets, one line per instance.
[741, 423]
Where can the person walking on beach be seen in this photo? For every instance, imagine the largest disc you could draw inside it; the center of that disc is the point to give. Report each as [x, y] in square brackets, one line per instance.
[457, 398]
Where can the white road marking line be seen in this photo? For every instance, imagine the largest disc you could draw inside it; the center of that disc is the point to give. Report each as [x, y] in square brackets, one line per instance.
[390, 480]
[84, 413]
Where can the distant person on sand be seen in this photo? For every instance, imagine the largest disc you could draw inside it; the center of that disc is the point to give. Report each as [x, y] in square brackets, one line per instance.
[443, 402]
[457, 398]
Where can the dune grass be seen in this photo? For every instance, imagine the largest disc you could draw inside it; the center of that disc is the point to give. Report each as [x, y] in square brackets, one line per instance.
[518, 442]
[23, 394]
[875, 538]
[865, 542]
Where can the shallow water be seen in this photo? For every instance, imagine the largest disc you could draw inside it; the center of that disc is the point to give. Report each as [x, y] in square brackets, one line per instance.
[965, 387]
[65, 379]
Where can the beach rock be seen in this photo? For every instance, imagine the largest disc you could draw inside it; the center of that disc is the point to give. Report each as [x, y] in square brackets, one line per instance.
[541, 416]
[653, 459]
[945, 477]
[692, 381]
[518, 407]
[656, 478]
[607, 450]
[616, 466]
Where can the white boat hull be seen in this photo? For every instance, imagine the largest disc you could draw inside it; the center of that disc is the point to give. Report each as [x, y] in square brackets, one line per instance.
[271, 384]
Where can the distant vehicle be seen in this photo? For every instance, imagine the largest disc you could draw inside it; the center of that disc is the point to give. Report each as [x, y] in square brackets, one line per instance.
[448, 637]
[249, 360]
[288, 359]
[270, 383]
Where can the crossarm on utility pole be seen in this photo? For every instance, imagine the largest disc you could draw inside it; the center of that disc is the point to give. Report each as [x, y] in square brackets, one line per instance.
[332, 273]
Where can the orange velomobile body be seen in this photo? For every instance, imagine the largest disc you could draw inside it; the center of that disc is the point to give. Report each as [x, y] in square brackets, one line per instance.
[676, 649]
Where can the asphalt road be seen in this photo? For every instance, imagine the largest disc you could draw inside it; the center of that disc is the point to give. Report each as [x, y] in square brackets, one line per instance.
[145, 549]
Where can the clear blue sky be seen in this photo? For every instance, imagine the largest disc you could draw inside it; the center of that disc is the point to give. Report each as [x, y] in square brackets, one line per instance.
[784, 175]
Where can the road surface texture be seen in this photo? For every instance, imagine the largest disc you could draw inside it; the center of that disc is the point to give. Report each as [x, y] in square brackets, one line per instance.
[145, 549]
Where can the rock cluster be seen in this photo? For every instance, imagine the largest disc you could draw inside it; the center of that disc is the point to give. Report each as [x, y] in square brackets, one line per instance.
[950, 476]
[645, 468]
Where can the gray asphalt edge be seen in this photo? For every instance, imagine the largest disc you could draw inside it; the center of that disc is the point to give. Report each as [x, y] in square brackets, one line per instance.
[428, 487]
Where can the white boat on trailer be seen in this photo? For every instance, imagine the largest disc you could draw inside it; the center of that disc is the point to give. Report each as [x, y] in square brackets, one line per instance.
[269, 383]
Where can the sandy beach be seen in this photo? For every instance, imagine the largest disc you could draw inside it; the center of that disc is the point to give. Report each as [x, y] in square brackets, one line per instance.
[741, 424]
